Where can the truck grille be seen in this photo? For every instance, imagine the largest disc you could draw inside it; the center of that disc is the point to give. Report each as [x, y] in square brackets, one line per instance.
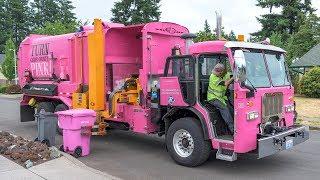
[272, 105]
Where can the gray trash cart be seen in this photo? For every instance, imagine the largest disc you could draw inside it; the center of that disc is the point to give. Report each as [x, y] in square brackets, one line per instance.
[47, 125]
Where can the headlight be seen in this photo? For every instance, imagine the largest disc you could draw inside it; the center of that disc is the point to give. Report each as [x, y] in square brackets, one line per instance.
[289, 108]
[252, 116]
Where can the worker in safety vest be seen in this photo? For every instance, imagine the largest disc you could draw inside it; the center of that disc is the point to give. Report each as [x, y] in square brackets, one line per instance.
[219, 81]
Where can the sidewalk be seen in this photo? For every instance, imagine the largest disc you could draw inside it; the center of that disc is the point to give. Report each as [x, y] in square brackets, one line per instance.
[65, 167]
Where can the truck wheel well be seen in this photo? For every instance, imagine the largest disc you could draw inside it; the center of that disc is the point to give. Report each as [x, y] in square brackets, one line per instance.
[178, 113]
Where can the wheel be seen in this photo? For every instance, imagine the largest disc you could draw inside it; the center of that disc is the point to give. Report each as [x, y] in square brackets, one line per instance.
[186, 144]
[60, 107]
[77, 152]
[36, 140]
[46, 106]
[46, 142]
[61, 148]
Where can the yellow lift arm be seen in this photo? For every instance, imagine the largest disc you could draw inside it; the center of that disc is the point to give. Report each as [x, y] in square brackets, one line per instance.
[97, 67]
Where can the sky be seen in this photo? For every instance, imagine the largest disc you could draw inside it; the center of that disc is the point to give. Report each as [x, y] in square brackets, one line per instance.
[238, 15]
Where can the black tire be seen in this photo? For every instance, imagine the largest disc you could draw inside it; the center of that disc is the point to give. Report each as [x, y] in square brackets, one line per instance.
[60, 107]
[61, 148]
[77, 152]
[202, 148]
[46, 106]
[46, 142]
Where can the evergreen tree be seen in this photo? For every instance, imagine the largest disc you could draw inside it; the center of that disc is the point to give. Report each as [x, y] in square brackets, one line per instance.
[51, 11]
[136, 11]
[231, 36]
[14, 21]
[292, 15]
[206, 34]
[56, 28]
[3, 27]
[306, 38]
[8, 65]
[277, 39]
[207, 28]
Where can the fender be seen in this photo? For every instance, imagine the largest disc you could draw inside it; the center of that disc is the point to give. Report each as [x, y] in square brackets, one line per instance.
[168, 119]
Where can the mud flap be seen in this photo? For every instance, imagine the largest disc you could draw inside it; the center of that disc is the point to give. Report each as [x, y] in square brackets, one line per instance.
[26, 113]
[282, 141]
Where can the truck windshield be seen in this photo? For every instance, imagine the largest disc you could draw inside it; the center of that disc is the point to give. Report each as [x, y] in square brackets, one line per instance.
[258, 63]
[257, 74]
[277, 69]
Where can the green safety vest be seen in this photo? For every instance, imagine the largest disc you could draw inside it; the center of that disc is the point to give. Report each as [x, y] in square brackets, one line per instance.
[217, 91]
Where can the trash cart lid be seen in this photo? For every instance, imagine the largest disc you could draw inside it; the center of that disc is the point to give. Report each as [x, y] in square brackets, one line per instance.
[78, 112]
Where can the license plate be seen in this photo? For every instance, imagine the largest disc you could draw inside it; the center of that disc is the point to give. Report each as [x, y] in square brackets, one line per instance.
[289, 144]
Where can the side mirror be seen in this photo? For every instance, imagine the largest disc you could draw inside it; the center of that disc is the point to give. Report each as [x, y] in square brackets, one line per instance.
[240, 62]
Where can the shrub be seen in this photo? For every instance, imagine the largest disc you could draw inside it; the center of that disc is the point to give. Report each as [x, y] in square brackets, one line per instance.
[3, 88]
[310, 83]
[295, 82]
[13, 89]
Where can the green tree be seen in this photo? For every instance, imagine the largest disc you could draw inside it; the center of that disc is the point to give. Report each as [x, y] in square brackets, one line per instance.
[51, 11]
[288, 21]
[136, 11]
[205, 34]
[8, 65]
[14, 20]
[306, 38]
[231, 36]
[56, 28]
[277, 39]
[207, 28]
[3, 27]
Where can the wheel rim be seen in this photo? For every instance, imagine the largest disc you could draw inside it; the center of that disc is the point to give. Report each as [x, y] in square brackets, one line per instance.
[183, 143]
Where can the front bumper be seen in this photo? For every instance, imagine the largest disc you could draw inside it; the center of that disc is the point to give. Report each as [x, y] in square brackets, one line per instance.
[285, 140]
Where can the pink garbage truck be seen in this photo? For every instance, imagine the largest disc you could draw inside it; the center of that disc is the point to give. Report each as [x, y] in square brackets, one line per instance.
[152, 79]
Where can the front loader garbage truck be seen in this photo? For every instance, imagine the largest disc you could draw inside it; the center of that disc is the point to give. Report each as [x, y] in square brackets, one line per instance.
[152, 79]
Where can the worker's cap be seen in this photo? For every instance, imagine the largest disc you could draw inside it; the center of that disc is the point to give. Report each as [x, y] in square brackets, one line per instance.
[219, 68]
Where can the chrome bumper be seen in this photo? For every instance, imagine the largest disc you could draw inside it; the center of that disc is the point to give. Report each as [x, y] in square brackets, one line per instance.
[285, 140]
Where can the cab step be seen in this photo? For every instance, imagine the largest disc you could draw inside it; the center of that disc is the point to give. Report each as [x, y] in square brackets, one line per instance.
[226, 155]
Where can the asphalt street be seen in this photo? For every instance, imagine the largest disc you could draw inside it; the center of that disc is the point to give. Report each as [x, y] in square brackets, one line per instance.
[133, 156]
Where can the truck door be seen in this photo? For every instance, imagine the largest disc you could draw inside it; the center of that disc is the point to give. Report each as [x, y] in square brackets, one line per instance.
[183, 67]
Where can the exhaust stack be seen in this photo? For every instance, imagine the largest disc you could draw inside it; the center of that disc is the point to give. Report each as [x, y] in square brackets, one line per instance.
[189, 41]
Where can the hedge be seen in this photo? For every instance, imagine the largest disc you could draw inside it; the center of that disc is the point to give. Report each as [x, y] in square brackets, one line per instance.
[310, 83]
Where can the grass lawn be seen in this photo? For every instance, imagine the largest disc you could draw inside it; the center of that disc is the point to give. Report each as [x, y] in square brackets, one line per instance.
[308, 110]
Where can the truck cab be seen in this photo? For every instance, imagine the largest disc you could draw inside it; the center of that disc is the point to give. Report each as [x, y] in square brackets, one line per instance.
[261, 98]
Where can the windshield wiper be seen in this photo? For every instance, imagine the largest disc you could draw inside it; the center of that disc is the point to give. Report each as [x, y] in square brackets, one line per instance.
[252, 86]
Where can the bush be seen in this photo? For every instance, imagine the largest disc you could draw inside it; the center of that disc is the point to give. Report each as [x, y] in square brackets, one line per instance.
[310, 83]
[3, 88]
[295, 82]
[13, 89]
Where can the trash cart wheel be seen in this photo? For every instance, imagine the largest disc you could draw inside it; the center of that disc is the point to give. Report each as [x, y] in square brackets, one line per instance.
[61, 148]
[36, 140]
[77, 152]
[60, 107]
[46, 142]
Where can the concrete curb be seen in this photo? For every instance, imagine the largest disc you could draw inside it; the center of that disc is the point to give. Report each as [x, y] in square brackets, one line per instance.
[314, 128]
[11, 96]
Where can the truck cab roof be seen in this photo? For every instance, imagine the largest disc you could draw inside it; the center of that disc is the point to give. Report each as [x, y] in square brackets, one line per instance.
[220, 46]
